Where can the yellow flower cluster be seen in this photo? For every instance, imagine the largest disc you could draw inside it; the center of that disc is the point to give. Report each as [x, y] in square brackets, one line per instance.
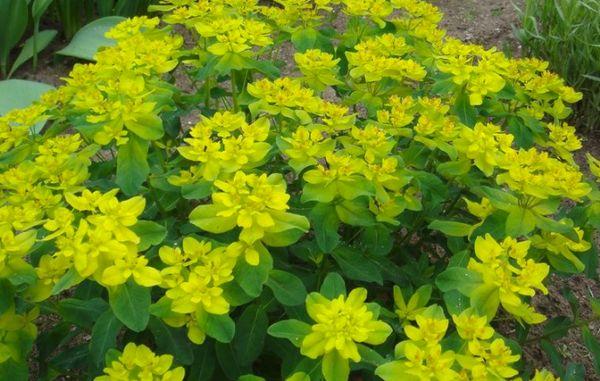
[258, 205]
[223, 144]
[138, 362]
[382, 57]
[95, 239]
[423, 355]
[122, 92]
[508, 275]
[194, 276]
[340, 324]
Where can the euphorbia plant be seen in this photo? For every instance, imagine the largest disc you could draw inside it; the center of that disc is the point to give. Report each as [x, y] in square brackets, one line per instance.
[372, 211]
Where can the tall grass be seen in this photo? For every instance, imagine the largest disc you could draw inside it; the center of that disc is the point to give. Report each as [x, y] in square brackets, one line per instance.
[567, 34]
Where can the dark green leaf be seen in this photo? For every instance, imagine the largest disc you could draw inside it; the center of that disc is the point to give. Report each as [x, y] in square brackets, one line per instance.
[333, 286]
[130, 303]
[173, 341]
[287, 288]
[355, 266]
[104, 337]
[132, 165]
[251, 332]
[150, 233]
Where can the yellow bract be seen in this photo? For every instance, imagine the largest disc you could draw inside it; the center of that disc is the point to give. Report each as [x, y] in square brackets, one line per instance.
[138, 362]
[340, 324]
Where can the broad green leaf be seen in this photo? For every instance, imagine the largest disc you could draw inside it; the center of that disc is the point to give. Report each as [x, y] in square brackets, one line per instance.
[451, 228]
[82, 312]
[354, 213]
[370, 356]
[325, 223]
[293, 330]
[376, 240]
[132, 165]
[251, 278]
[14, 370]
[251, 330]
[333, 286]
[146, 126]
[219, 327]
[354, 264]
[335, 367]
[466, 113]
[130, 303]
[150, 233]
[520, 222]
[197, 191]
[90, 38]
[287, 288]
[458, 278]
[173, 341]
[43, 40]
[104, 337]
[304, 39]
[18, 93]
[204, 362]
[486, 299]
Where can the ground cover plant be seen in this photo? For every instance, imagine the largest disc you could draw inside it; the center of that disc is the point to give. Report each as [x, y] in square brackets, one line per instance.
[380, 210]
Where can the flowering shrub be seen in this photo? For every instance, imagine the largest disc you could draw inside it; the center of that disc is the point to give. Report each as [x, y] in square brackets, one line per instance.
[375, 210]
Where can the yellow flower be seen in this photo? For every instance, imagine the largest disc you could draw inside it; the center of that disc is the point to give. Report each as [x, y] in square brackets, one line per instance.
[481, 145]
[138, 362]
[471, 326]
[544, 375]
[507, 275]
[257, 204]
[341, 323]
[319, 68]
[131, 265]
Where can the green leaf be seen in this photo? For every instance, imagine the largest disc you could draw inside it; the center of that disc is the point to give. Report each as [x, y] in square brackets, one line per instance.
[11, 369]
[451, 228]
[197, 191]
[39, 7]
[146, 126]
[520, 222]
[82, 312]
[354, 264]
[458, 278]
[287, 288]
[13, 22]
[335, 367]
[130, 303]
[150, 233]
[251, 332]
[251, 278]
[466, 113]
[293, 330]
[486, 299]
[370, 356]
[43, 40]
[550, 225]
[17, 93]
[333, 286]
[354, 213]
[219, 327]
[325, 223]
[173, 341]
[455, 301]
[104, 337]
[250, 377]
[204, 362]
[304, 39]
[90, 38]
[593, 345]
[376, 240]
[132, 165]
